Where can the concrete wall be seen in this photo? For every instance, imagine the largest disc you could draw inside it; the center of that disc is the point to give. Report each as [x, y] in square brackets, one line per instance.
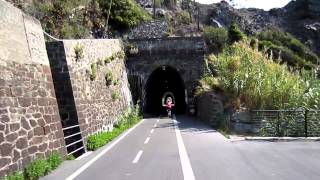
[85, 100]
[185, 54]
[29, 117]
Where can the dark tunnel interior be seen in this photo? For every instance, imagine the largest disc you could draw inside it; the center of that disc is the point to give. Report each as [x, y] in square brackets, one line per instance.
[164, 80]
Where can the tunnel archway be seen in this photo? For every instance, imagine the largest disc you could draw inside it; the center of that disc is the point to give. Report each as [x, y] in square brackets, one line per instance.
[163, 80]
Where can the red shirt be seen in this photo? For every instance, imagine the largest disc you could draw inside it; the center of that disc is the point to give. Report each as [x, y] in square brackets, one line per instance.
[169, 105]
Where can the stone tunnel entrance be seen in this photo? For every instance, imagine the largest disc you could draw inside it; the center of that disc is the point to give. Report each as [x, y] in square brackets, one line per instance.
[165, 80]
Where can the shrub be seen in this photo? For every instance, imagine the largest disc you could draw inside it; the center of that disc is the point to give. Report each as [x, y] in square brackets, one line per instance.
[54, 160]
[60, 19]
[37, 169]
[98, 140]
[235, 34]
[124, 13]
[248, 77]
[183, 17]
[120, 55]
[93, 74]
[107, 59]
[15, 176]
[216, 38]
[208, 83]
[115, 96]
[109, 78]
[78, 50]
[129, 118]
[116, 82]
[254, 43]
[71, 157]
[74, 30]
[295, 51]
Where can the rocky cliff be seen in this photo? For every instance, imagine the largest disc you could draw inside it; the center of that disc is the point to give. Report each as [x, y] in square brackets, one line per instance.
[301, 18]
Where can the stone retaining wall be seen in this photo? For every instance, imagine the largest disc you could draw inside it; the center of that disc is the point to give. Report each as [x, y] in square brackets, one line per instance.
[210, 108]
[94, 103]
[29, 118]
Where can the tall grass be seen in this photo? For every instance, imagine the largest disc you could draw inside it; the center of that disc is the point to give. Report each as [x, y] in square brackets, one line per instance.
[250, 79]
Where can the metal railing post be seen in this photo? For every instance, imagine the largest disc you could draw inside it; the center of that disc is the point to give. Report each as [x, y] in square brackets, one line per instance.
[306, 123]
[278, 123]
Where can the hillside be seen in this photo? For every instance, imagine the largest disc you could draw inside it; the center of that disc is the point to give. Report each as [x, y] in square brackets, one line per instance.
[87, 18]
[300, 18]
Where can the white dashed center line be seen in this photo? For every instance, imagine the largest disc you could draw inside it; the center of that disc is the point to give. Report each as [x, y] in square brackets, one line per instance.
[152, 130]
[147, 140]
[136, 159]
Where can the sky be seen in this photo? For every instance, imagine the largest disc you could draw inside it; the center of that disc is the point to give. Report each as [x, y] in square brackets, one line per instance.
[261, 4]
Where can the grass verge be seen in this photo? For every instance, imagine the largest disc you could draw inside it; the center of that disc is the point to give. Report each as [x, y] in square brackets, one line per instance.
[37, 168]
[127, 120]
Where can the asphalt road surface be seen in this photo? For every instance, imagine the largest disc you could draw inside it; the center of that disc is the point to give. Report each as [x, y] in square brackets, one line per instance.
[185, 148]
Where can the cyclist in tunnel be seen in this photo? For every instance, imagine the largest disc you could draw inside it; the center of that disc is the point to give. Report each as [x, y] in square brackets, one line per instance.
[169, 105]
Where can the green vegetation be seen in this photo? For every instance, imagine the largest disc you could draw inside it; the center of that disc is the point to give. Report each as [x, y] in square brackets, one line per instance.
[93, 74]
[124, 13]
[183, 17]
[54, 160]
[56, 18]
[116, 82]
[15, 176]
[109, 59]
[109, 78]
[117, 55]
[248, 78]
[120, 55]
[115, 96]
[70, 157]
[216, 38]
[158, 3]
[235, 34]
[224, 133]
[127, 120]
[78, 50]
[70, 19]
[37, 168]
[223, 125]
[287, 48]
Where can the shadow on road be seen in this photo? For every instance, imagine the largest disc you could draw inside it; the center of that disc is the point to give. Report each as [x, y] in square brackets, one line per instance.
[191, 124]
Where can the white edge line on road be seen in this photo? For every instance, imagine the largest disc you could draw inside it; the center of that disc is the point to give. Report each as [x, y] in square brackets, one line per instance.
[155, 125]
[136, 159]
[147, 140]
[158, 120]
[85, 166]
[152, 130]
[184, 159]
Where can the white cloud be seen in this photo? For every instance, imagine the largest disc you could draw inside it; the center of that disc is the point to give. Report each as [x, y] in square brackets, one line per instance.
[261, 4]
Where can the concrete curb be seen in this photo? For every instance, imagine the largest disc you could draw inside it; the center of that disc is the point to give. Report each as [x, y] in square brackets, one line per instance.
[275, 139]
